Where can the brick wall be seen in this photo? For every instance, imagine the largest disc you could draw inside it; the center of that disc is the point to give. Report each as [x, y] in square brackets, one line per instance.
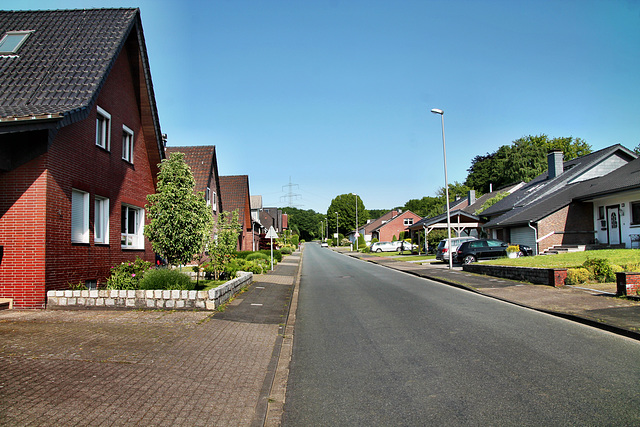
[542, 276]
[22, 234]
[627, 284]
[35, 226]
[572, 224]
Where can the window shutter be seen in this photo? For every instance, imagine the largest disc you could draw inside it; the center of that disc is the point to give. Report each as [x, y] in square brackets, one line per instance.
[79, 217]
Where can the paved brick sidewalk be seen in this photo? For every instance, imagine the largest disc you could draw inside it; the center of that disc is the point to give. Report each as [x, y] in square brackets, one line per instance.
[130, 368]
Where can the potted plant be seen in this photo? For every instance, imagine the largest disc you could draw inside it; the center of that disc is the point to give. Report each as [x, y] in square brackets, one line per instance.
[513, 251]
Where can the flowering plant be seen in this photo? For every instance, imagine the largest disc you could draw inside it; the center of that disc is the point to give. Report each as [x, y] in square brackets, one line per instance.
[128, 274]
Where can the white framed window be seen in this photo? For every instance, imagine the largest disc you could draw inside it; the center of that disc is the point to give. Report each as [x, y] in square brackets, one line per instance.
[408, 221]
[131, 227]
[127, 144]
[103, 129]
[12, 40]
[79, 216]
[213, 201]
[101, 220]
[207, 196]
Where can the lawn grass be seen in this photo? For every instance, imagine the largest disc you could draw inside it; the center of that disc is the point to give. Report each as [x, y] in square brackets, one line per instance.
[205, 285]
[619, 257]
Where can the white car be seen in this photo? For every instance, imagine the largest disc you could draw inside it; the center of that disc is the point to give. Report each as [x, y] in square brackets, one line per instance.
[324, 245]
[384, 247]
[405, 246]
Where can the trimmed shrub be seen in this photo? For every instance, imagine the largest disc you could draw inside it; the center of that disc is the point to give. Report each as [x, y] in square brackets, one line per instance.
[632, 267]
[286, 251]
[166, 279]
[577, 276]
[600, 269]
[257, 255]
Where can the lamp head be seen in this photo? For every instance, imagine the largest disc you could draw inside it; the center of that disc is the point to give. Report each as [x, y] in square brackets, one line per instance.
[437, 111]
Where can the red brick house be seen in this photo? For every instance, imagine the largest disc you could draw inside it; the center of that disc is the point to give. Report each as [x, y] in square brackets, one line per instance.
[80, 145]
[203, 163]
[555, 208]
[388, 229]
[234, 193]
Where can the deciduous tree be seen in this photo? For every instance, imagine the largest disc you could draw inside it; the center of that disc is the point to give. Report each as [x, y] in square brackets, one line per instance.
[181, 221]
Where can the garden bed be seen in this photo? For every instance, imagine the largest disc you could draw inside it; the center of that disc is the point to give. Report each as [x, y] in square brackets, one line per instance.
[148, 299]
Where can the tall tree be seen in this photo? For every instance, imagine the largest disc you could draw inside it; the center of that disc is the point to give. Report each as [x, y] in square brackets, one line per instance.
[306, 223]
[523, 160]
[345, 206]
[181, 221]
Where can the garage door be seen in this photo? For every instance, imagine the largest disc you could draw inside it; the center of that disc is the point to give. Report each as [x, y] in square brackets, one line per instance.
[523, 236]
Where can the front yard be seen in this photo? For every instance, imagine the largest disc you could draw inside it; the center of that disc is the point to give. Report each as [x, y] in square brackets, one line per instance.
[621, 257]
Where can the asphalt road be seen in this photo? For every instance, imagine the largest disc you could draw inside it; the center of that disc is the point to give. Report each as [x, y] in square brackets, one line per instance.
[374, 346]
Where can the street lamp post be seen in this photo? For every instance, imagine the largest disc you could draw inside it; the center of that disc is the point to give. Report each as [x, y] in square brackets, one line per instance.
[356, 235]
[337, 232]
[446, 186]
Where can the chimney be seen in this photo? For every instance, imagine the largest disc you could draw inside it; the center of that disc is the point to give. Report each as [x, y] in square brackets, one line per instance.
[554, 160]
[471, 197]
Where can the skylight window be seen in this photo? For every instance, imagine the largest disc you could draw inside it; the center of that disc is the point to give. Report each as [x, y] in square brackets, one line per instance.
[12, 40]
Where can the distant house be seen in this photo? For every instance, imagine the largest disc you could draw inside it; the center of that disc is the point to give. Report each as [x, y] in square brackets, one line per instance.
[366, 229]
[465, 215]
[203, 163]
[387, 230]
[81, 142]
[555, 208]
[234, 193]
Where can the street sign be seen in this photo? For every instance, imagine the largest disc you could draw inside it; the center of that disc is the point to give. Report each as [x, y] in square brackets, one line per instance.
[271, 234]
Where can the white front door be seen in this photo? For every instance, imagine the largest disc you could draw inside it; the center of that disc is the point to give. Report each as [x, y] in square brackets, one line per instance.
[613, 224]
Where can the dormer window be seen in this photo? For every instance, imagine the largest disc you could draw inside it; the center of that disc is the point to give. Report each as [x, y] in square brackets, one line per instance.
[12, 40]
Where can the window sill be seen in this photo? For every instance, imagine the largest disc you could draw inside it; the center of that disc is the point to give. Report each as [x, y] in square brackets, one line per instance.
[106, 150]
[129, 248]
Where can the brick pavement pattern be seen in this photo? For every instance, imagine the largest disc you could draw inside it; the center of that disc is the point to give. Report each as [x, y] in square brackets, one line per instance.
[112, 368]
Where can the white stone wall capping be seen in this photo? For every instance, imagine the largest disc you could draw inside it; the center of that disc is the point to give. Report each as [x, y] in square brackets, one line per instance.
[149, 299]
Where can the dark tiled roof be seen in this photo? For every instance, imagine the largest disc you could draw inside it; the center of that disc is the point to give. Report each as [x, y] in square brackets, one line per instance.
[234, 192]
[623, 179]
[541, 197]
[540, 187]
[201, 160]
[64, 62]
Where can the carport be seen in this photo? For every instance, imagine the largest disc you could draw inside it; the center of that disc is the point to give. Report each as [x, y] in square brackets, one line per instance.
[461, 222]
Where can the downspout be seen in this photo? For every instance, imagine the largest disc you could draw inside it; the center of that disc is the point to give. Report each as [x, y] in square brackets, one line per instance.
[535, 235]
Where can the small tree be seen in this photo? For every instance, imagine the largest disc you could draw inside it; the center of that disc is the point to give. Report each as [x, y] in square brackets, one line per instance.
[222, 248]
[181, 221]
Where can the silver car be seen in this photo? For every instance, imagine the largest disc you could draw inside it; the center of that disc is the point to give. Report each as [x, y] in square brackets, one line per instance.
[442, 252]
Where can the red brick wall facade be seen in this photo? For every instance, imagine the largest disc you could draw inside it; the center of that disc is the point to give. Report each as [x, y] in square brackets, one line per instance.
[36, 230]
[572, 224]
[396, 226]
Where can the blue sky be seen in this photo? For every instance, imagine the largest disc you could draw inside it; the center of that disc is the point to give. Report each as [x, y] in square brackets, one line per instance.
[335, 96]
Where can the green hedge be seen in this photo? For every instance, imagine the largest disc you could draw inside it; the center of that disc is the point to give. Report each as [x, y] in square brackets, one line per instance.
[277, 255]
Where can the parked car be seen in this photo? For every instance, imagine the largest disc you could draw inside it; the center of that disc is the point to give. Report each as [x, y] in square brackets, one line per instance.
[403, 245]
[324, 245]
[474, 250]
[442, 252]
[384, 247]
